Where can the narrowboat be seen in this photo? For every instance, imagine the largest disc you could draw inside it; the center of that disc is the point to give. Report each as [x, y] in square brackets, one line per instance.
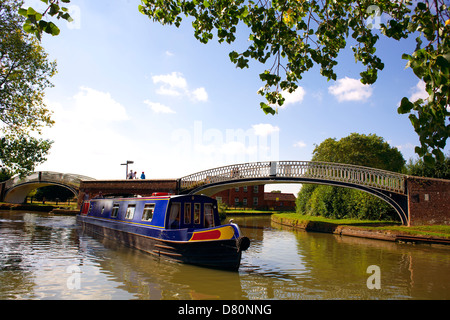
[184, 228]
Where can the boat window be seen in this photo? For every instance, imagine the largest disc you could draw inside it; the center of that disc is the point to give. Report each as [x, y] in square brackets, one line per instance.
[115, 210]
[130, 211]
[148, 212]
[209, 218]
[174, 217]
[197, 213]
[187, 213]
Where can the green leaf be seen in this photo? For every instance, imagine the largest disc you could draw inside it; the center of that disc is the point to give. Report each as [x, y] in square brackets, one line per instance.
[405, 106]
[422, 6]
[52, 29]
[233, 56]
[27, 27]
[54, 9]
[429, 160]
[242, 63]
[31, 11]
[267, 109]
[23, 12]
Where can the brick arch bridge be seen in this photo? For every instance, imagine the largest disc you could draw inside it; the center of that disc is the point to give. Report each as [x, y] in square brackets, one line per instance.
[16, 189]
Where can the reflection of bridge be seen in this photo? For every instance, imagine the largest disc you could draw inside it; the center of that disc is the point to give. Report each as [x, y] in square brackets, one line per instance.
[416, 200]
[16, 189]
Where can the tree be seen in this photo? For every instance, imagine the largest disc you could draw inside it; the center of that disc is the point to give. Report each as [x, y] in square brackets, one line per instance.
[360, 149]
[336, 202]
[418, 168]
[24, 75]
[298, 34]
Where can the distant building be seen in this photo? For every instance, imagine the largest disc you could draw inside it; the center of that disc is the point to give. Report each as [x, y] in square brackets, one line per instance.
[254, 197]
[279, 201]
[242, 197]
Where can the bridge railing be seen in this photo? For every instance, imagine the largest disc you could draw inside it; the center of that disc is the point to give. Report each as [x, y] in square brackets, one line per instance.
[363, 176]
[65, 178]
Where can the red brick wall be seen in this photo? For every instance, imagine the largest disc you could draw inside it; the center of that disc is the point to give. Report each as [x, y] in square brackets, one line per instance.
[428, 201]
[229, 196]
[90, 189]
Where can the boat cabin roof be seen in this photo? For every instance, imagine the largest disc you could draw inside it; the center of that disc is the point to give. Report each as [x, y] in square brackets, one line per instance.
[161, 211]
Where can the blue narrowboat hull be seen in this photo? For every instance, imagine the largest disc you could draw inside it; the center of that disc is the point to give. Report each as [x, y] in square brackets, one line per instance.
[216, 246]
[221, 254]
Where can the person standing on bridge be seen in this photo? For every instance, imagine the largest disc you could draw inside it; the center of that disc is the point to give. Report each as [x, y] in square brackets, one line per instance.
[142, 175]
[130, 175]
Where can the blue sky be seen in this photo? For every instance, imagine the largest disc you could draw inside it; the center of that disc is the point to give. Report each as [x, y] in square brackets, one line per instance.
[131, 89]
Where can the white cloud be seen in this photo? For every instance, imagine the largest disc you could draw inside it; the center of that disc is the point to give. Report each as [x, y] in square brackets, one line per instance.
[264, 129]
[299, 144]
[174, 80]
[87, 128]
[294, 97]
[174, 84]
[233, 148]
[158, 107]
[200, 94]
[419, 92]
[93, 105]
[165, 91]
[348, 89]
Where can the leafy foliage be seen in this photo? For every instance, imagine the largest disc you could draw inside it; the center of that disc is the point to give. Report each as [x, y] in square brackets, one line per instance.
[19, 155]
[418, 168]
[24, 75]
[431, 64]
[360, 149]
[338, 203]
[34, 22]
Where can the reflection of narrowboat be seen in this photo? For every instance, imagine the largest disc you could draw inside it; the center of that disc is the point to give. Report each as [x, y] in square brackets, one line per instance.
[185, 228]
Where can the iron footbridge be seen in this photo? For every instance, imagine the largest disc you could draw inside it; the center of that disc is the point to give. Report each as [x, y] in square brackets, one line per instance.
[389, 186]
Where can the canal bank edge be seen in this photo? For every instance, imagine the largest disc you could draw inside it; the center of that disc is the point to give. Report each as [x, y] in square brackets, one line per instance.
[354, 231]
[37, 208]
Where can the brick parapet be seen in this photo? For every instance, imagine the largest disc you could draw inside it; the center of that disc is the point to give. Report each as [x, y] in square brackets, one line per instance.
[91, 189]
[428, 201]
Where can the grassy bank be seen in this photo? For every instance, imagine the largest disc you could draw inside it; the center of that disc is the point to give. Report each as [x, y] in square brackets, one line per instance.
[37, 207]
[381, 227]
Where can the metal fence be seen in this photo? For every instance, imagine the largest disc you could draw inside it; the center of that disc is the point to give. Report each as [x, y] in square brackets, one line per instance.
[313, 170]
[49, 176]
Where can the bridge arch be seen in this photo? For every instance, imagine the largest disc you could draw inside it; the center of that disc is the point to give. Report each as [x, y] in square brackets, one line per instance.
[16, 189]
[386, 185]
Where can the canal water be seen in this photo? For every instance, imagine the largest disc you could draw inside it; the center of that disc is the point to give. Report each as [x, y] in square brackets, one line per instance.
[48, 257]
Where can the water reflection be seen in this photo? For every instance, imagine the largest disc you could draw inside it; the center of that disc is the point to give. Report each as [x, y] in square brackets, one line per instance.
[37, 251]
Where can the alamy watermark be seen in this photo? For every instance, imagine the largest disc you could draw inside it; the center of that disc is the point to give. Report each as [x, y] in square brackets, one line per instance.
[374, 19]
[374, 280]
[75, 14]
[258, 143]
[74, 280]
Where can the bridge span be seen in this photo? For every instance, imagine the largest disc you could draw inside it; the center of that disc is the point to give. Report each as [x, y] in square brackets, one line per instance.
[389, 186]
[16, 189]
[416, 200]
